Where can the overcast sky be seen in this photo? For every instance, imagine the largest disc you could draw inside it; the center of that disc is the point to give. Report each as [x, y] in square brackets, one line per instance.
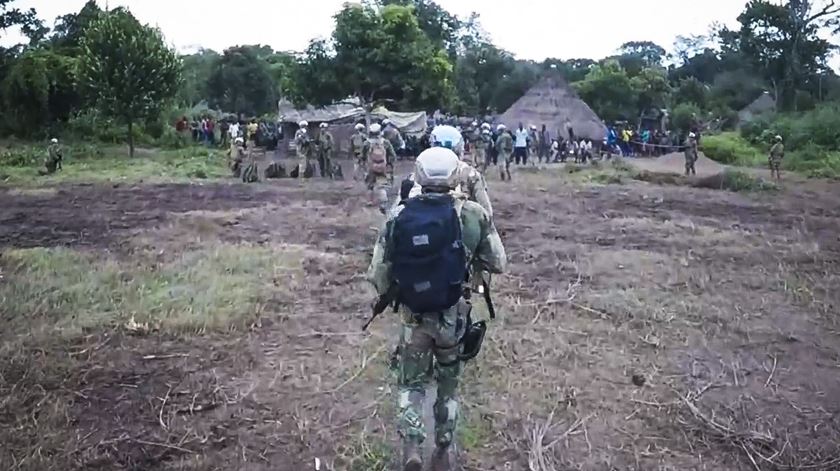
[531, 29]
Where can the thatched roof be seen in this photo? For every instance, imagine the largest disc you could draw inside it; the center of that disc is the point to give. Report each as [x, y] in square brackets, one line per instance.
[553, 102]
[763, 104]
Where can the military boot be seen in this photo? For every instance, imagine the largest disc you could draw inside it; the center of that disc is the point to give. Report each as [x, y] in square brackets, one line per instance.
[411, 457]
[441, 459]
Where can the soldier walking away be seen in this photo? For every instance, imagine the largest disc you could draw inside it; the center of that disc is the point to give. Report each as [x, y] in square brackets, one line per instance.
[305, 148]
[422, 259]
[533, 145]
[325, 151]
[379, 155]
[483, 146]
[236, 156]
[392, 134]
[690, 154]
[357, 147]
[777, 153]
[504, 148]
[55, 157]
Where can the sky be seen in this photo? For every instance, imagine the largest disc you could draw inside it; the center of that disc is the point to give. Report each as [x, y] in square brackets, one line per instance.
[531, 29]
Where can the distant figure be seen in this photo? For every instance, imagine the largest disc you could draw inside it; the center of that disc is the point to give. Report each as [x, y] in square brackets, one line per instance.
[777, 153]
[53, 160]
[237, 156]
[357, 147]
[520, 145]
[326, 144]
[544, 145]
[690, 154]
[504, 148]
[305, 148]
[533, 144]
[570, 130]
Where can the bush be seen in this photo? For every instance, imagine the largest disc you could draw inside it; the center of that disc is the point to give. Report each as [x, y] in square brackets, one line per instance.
[22, 156]
[814, 161]
[684, 116]
[820, 127]
[730, 148]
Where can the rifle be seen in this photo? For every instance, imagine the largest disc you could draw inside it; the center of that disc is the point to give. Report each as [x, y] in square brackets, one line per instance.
[384, 301]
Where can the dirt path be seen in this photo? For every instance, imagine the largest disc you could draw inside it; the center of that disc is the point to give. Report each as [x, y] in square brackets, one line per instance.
[642, 327]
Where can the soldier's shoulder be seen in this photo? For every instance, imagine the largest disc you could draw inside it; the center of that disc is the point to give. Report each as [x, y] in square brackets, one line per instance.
[474, 211]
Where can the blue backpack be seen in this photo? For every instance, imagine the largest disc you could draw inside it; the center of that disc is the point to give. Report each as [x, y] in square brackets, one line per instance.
[428, 259]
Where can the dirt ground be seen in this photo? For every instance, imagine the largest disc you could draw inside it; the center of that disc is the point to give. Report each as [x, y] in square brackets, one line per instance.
[642, 327]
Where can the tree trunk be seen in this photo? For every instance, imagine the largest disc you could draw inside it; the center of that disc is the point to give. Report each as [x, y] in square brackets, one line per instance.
[130, 138]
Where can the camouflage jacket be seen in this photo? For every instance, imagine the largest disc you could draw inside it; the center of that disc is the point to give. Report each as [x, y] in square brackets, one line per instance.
[484, 143]
[393, 136]
[357, 144]
[325, 141]
[471, 185]
[777, 151]
[389, 149]
[303, 143]
[691, 149]
[54, 151]
[504, 143]
[485, 251]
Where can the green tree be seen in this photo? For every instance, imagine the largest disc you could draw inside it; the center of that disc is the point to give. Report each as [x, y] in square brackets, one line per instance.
[241, 82]
[609, 91]
[70, 29]
[440, 26]
[377, 54]
[691, 90]
[685, 116]
[652, 88]
[127, 70]
[650, 53]
[39, 90]
[195, 70]
[783, 42]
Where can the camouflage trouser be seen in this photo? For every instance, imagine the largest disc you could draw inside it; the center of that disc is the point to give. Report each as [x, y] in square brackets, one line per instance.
[379, 185]
[775, 164]
[359, 168]
[424, 345]
[689, 165]
[303, 163]
[504, 164]
[480, 159]
[325, 164]
[251, 173]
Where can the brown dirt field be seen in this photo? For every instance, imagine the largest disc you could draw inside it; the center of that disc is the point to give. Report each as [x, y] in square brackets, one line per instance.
[642, 327]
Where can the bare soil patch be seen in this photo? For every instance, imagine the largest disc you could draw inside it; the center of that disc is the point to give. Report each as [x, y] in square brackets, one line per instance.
[642, 327]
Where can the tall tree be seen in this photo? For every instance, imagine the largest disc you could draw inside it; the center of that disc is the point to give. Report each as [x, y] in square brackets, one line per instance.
[378, 54]
[608, 89]
[127, 70]
[440, 26]
[784, 43]
[241, 82]
[650, 53]
[195, 70]
[70, 29]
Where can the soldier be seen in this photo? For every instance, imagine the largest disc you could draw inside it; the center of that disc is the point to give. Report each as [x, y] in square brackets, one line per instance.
[544, 145]
[251, 172]
[236, 156]
[504, 147]
[357, 147]
[533, 144]
[690, 154]
[481, 148]
[390, 131]
[436, 318]
[54, 159]
[379, 155]
[777, 153]
[304, 147]
[325, 151]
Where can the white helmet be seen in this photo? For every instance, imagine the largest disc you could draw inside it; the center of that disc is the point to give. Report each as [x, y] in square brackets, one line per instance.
[501, 127]
[303, 124]
[485, 131]
[437, 167]
[375, 128]
[324, 125]
[360, 127]
[779, 138]
[691, 135]
[239, 140]
[485, 126]
[54, 140]
[449, 137]
[533, 127]
[475, 124]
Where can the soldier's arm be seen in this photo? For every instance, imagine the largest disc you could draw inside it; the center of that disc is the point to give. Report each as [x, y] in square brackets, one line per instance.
[379, 271]
[490, 255]
[479, 190]
[389, 152]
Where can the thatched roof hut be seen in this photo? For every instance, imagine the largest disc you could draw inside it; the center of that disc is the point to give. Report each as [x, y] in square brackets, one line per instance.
[554, 103]
[761, 105]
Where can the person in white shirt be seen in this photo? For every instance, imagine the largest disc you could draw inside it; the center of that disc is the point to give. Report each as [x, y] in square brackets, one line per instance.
[520, 145]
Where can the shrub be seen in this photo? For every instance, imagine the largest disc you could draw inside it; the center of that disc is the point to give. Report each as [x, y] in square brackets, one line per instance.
[22, 156]
[684, 116]
[730, 148]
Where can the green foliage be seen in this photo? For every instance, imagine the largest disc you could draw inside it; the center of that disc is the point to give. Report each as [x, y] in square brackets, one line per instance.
[814, 161]
[730, 148]
[195, 70]
[609, 91]
[127, 70]
[39, 89]
[652, 88]
[378, 54]
[691, 90]
[684, 116]
[241, 82]
[820, 127]
[21, 156]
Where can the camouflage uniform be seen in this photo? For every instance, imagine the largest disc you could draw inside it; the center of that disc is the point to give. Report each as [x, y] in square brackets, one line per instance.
[325, 151]
[533, 145]
[471, 185]
[357, 147]
[237, 158]
[393, 136]
[305, 148]
[53, 160]
[379, 184]
[481, 151]
[428, 341]
[504, 146]
[777, 153]
[690, 156]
